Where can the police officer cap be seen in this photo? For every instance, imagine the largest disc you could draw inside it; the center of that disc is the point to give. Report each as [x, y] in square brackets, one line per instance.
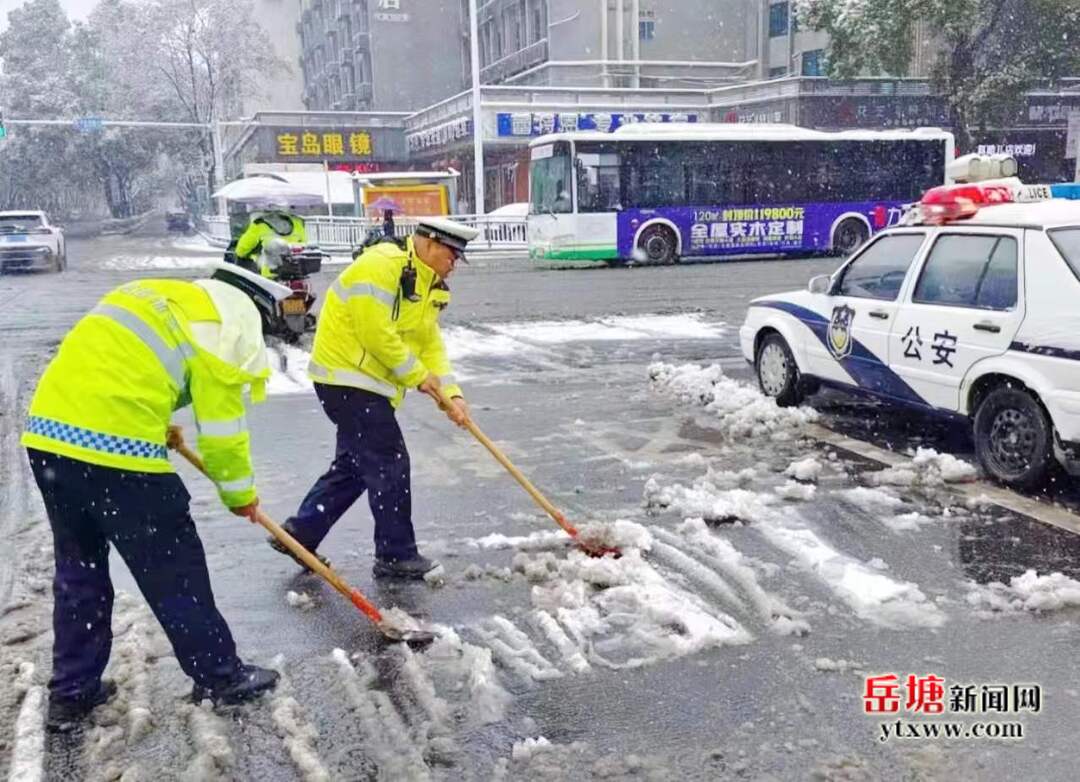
[449, 232]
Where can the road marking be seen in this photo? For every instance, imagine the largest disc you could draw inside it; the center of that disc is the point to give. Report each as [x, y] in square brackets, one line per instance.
[1037, 510]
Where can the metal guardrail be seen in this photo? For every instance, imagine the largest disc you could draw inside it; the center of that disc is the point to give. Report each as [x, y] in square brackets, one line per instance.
[343, 233]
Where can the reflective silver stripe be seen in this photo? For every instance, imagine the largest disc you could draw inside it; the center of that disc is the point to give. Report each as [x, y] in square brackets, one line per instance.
[222, 428]
[240, 484]
[448, 380]
[355, 379]
[405, 367]
[172, 359]
[363, 289]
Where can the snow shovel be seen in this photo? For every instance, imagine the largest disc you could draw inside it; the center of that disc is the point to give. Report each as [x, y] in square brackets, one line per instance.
[592, 549]
[411, 636]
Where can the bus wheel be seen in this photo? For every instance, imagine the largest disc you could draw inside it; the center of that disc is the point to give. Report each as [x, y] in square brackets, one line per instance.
[849, 236]
[659, 244]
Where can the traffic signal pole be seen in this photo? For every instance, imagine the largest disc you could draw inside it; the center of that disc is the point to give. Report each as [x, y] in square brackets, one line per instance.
[213, 127]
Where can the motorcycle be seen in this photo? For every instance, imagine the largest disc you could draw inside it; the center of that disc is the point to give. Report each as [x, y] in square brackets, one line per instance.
[284, 301]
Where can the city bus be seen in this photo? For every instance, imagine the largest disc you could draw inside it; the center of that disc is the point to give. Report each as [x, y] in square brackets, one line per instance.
[655, 193]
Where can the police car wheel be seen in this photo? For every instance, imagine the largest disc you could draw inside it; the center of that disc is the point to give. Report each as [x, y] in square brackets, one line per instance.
[777, 373]
[1013, 437]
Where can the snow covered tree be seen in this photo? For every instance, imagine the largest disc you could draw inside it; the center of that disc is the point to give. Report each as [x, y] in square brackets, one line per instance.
[158, 60]
[988, 52]
[35, 51]
[208, 53]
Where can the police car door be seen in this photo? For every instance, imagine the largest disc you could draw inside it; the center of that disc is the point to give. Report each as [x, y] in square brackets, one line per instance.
[860, 310]
[966, 305]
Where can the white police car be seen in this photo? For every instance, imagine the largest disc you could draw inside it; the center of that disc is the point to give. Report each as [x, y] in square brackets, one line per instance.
[970, 309]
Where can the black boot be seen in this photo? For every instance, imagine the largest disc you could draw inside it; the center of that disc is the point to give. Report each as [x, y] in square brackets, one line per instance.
[415, 568]
[251, 682]
[66, 714]
[281, 548]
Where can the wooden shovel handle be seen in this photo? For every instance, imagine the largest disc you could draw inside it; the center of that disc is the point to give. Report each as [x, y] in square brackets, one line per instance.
[293, 545]
[502, 459]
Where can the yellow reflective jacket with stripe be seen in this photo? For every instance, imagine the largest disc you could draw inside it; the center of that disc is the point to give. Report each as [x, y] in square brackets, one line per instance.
[107, 396]
[371, 337]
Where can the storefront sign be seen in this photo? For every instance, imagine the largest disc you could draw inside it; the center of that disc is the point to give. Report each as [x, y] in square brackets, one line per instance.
[394, 6]
[763, 114]
[1014, 150]
[539, 123]
[441, 135]
[410, 200]
[366, 168]
[891, 111]
[316, 144]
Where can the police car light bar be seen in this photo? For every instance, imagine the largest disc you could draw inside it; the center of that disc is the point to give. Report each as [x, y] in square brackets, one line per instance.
[1069, 190]
[978, 168]
[944, 204]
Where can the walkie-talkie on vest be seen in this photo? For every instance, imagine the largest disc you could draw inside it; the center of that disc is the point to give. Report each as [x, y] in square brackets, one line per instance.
[408, 281]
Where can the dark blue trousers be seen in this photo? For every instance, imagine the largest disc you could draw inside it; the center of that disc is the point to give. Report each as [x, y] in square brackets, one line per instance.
[145, 515]
[370, 456]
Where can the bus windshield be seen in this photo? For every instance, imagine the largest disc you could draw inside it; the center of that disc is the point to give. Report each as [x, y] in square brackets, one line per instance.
[549, 178]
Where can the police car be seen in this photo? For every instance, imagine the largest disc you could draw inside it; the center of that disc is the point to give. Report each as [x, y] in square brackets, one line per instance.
[970, 309]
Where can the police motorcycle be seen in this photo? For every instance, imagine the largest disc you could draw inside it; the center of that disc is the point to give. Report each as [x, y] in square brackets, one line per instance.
[286, 304]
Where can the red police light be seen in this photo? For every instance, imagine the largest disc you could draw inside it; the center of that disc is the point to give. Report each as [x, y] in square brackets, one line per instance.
[957, 202]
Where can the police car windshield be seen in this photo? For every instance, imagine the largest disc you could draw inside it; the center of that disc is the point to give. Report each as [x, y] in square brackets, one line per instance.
[1067, 241]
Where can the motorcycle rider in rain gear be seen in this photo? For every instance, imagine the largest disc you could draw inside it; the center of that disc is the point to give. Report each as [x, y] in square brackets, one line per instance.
[275, 224]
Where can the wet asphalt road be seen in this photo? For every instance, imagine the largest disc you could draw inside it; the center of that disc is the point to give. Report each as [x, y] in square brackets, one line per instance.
[579, 418]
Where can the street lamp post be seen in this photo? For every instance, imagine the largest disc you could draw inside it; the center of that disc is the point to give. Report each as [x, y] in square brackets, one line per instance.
[477, 114]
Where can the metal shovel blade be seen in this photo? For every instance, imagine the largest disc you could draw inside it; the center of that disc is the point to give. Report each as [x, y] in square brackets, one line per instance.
[412, 637]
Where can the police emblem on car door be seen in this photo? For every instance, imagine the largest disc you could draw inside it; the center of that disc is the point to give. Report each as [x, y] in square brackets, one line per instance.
[839, 341]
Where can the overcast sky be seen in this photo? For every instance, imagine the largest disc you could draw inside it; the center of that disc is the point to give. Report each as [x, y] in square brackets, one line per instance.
[76, 9]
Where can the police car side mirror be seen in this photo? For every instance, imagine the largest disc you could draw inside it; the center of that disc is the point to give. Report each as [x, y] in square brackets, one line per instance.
[820, 284]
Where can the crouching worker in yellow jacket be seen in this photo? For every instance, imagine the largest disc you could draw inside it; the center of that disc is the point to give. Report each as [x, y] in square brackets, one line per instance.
[96, 438]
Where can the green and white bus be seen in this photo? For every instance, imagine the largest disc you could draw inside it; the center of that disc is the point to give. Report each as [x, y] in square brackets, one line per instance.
[660, 192]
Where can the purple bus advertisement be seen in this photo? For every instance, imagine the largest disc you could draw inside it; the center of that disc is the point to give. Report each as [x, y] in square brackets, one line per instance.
[659, 193]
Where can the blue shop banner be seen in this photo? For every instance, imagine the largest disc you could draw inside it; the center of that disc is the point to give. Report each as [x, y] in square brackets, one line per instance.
[527, 124]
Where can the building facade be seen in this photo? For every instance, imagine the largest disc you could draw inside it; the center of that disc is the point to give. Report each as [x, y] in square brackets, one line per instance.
[277, 18]
[549, 65]
[617, 43]
[384, 55]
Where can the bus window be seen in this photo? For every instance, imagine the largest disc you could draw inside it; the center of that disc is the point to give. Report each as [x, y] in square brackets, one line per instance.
[598, 180]
[716, 175]
[654, 174]
[549, 177]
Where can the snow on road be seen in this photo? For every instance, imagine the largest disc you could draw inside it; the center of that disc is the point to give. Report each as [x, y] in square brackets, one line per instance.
[742, 410]
[160, 262]
[615, 328]
[872, 595]
[28, 752]
[288, 369]
[466, 346]
[1027, 592]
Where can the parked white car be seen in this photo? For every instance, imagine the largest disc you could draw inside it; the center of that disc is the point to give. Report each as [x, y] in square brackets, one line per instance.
[28, 242]
[971, 310]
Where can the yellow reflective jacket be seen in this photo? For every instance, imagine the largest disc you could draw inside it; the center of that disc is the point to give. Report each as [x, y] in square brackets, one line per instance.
[371, 337]
[107, 396]
[260, 231]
